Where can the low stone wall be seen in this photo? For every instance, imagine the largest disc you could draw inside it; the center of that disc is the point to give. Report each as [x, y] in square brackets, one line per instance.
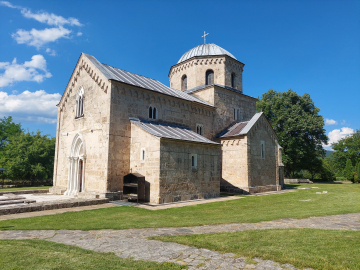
[17, 192]
[50, 205]
[297, 181]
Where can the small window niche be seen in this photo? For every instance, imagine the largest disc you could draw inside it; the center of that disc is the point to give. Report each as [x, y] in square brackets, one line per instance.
[200, 129]
[194, 161]
[80, 98]
[184, 83]
[142, 155]
[233, 80]
[209, 77]
[236, 114]
[262, 146]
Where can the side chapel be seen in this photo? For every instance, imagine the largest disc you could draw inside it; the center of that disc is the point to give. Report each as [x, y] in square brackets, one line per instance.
[200, 136]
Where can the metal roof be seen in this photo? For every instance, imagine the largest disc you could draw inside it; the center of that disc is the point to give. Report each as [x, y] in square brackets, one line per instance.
[120, 75]
[1, 169]
[204, 50]
[241, 128]
[169, 131]
[197, 88]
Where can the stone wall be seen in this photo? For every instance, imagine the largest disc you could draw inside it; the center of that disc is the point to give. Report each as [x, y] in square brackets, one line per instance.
[150, 167]
[179, 181]
[235, 169]
[263, 172]
[195, 70]
[94, 127]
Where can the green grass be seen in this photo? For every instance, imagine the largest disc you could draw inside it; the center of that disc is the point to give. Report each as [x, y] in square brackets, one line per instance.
[37, 254]
[303, 248]
[340, 199]
[23, 188]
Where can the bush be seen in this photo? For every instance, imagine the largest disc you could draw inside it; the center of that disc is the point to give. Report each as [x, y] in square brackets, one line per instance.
[348, 172]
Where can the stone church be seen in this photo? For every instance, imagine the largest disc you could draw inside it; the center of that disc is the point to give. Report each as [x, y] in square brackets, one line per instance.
[200, 136]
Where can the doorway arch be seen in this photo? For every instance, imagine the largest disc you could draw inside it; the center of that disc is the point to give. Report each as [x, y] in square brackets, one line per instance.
[77, 161]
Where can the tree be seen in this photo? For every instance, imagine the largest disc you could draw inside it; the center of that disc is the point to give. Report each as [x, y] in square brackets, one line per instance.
[358, 172]
[7, 129]
[347, 148]
[299, 127]
[29, 156]
[348, 171]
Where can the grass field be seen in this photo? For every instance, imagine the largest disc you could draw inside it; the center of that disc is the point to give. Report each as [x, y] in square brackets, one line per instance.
[340, 199]
[303, 248]
[23, 188]
[37, 254]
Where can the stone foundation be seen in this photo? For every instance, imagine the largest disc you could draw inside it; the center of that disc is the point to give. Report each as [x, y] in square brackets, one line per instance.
[249, 190]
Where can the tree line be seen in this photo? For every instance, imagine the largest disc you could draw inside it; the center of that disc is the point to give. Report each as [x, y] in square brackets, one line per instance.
[25, 155]
[300, 130]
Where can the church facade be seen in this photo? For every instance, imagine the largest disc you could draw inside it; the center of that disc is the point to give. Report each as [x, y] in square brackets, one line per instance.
[190, 140]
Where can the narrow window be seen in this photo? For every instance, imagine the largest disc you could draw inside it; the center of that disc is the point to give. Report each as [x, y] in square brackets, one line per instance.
[79, 110]
[234, 114]
[184, 83]
[209, 77]
[154, 113]
[150, 112]
[238, 114]
[262, 149]
[142, 154]
[233, 80]
[199, 129]
[193, 161]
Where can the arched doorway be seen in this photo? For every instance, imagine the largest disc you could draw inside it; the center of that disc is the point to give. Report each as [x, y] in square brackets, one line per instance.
[77, 159]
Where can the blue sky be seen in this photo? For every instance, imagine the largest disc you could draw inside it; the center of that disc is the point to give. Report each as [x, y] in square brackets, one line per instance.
[309, 46]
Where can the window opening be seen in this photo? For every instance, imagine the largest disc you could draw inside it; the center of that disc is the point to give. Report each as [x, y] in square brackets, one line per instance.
[233, 80]
[154, 113]
[150, 112]
[142, 154]
[184, 83]
[199, 129]
[209, 77]
[262, 149]
[193, 161]
[79, 110]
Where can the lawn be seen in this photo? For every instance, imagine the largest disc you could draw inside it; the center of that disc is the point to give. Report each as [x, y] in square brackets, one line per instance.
[340, 199]
[38, 254]
[303, 248]
[23, 188]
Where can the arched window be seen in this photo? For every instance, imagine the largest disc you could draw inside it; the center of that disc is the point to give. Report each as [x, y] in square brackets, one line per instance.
[80, 96]
[184, 83]
[150, 112]
[209, 77]
[233, 80]
[153, 113]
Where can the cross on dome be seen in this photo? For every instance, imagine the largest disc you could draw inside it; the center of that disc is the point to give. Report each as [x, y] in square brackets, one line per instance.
[204, 36]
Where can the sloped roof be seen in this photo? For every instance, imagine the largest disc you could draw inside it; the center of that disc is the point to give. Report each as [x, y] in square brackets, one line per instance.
[112, 73]
[241, 128]
[169, 131]
[200, 87]
[204, 50]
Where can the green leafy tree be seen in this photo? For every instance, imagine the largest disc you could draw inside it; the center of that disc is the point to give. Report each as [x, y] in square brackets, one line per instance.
[29, 156]
[358, 172]
[7, 129]
[299, 127]
[349, 171]
[347, 148]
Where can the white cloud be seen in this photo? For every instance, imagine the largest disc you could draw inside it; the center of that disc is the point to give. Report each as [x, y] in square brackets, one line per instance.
[337, 134]
[34, 70]
[343, 122]
[79, 34]
[51, 52]
[43, 17]
[37, 106]
[330, 121]
[50, 19]
[38, 38]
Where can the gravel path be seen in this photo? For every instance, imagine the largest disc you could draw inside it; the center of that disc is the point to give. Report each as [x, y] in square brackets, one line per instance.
[133, 242]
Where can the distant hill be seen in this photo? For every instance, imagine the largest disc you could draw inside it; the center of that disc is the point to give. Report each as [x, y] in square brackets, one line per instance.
[328, 153]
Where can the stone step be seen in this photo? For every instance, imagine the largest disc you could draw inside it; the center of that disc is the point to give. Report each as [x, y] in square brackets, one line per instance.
[9, 202]
[12, 198]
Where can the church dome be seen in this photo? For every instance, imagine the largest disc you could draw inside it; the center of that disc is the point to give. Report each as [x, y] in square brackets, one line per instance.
[204, 50]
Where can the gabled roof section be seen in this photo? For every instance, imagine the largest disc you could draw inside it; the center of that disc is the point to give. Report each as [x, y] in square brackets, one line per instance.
[169, 131]
[241, 128]
[112, 73]
[203, 86]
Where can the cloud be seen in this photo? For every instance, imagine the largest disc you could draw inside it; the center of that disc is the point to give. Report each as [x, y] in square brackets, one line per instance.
[34, 70]
[37, 106]
[343, 122]
[330, 121]
[43, 17]
[38, 38]
[337, 134]
[79, 34]
[51, 52]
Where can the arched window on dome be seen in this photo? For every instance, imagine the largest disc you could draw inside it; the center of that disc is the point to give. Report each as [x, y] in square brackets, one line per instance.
[80, 97]
[184, 83]
[153, 114]
[233, 80]
[209, 77]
